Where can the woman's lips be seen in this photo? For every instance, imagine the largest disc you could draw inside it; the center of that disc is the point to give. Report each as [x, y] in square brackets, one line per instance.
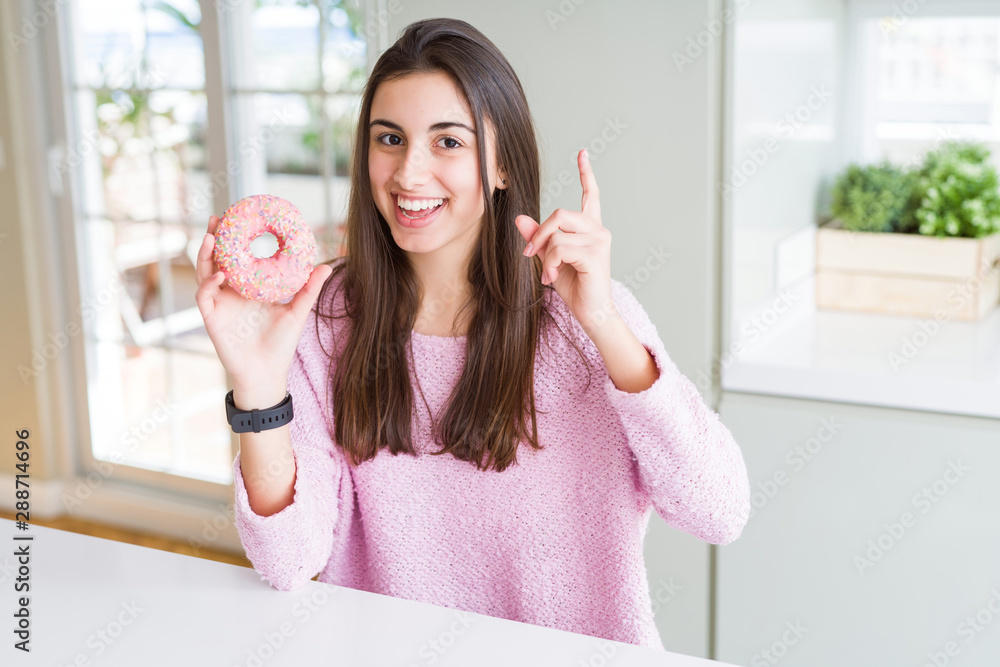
[417, 223]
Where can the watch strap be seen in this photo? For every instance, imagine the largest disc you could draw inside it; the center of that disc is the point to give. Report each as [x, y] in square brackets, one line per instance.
[244, 421]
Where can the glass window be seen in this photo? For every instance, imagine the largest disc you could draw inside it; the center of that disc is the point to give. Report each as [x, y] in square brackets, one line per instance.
[933, 78]
[295, 107]
[155, 384]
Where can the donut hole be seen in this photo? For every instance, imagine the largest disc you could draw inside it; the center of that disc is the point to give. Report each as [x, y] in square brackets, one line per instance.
[264, 246]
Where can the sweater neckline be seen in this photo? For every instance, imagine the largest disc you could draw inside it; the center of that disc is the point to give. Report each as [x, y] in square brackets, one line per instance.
[432, 338]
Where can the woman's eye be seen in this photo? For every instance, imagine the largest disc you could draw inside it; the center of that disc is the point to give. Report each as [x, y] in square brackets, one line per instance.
[387, 139]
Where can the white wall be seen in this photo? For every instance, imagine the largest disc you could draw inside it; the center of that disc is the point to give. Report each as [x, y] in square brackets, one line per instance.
[20, 408]
[25, 326]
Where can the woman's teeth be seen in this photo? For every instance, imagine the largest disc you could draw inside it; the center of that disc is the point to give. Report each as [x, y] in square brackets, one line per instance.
[418, 204]
[422, 207]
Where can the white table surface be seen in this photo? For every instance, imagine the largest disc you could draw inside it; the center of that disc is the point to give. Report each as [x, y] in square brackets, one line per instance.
[99, 602]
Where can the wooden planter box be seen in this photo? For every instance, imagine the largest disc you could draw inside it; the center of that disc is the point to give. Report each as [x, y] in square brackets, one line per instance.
[907, 274]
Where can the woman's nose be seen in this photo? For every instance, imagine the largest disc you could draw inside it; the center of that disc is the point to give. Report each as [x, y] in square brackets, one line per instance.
[412, 170]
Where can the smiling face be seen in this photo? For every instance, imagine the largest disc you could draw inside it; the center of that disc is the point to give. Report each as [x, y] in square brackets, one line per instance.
[422, 150]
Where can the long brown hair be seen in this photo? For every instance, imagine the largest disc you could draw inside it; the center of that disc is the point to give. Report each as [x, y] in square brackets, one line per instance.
[369, 383]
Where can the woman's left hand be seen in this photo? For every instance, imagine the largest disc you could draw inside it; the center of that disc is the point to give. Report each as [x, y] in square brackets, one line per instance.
[575, 249]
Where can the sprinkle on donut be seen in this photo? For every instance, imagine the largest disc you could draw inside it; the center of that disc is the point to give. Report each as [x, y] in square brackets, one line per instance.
[273, 279]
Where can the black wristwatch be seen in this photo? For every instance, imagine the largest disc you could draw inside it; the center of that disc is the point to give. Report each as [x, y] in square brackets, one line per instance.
[256, 420]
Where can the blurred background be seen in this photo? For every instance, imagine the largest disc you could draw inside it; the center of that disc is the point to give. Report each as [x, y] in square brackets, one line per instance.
[855, 359]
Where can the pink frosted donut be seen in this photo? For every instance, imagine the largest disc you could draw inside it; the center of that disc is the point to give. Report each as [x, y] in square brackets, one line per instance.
[273, 279]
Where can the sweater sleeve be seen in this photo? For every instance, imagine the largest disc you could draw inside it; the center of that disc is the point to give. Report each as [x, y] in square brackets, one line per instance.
[689, 464]
[291, 546]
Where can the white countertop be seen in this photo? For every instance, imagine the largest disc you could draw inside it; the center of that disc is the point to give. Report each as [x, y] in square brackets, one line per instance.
[868, 358]
[99, 602]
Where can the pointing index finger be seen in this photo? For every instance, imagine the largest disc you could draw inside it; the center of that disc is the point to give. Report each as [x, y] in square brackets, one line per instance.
[590, 203]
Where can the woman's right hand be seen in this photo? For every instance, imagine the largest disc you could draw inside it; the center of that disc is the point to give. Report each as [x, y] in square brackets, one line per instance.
[255, 340]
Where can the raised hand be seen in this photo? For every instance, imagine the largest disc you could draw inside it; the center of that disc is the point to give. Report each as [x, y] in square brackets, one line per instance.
[255, 341]
[575, 251]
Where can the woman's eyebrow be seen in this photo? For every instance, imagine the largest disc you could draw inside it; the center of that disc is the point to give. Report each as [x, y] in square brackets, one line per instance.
[443, 125]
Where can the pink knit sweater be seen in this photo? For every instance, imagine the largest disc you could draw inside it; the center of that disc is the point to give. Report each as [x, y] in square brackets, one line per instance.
[554, 540]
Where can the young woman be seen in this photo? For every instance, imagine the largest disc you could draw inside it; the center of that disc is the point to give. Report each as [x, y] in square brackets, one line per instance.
[517, 486]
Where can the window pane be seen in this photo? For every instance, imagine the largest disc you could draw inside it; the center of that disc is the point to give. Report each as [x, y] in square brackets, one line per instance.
[294, 138]
[202, 437]
[154, 380]
[171, 418]
[152, 149]
[932, 79]
[345, 65]
[342, 117]
[145, 440]
[276, 46]
[279, 150]
[135, 44]
[939, 70]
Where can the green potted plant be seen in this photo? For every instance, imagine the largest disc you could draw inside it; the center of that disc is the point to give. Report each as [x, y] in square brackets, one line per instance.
[872, 198]
[921, 241]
